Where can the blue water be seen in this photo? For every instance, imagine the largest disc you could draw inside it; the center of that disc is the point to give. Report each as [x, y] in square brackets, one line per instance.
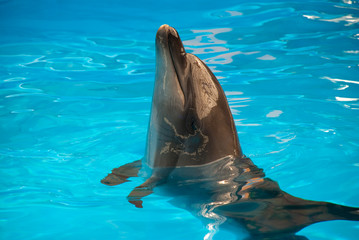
[76, 81]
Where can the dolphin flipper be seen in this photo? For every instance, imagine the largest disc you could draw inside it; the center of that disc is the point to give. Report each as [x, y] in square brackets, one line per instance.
[158, 177]
[121, 174]
[143, 190]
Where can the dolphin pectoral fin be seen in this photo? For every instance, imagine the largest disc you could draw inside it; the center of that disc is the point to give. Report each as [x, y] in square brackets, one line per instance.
[142, 191]
[137, 194]
[121, 174]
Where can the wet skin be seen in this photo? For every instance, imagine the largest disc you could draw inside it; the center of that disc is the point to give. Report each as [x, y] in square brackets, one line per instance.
[193, 152]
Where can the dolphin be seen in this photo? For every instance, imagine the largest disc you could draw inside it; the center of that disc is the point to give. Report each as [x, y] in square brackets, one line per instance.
[193, 152]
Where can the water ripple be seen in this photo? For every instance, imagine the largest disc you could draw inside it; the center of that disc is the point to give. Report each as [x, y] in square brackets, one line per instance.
[68, 58]
[76, 82]
[349, 19]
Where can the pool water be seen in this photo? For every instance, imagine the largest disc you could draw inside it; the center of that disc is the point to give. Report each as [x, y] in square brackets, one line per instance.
[76, 82]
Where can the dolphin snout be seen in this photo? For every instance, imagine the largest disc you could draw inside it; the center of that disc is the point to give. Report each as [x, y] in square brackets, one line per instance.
[164, 31]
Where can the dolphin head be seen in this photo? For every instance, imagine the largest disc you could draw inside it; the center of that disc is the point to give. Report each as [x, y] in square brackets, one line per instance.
[191, 123]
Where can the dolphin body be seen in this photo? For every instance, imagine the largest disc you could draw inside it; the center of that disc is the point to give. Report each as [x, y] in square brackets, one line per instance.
[193, 151]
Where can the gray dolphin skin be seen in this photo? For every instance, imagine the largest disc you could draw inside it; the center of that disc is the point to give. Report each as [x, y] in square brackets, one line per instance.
[194, 155]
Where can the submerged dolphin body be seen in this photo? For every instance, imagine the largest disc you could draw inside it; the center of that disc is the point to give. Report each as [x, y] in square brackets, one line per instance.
[193, 151]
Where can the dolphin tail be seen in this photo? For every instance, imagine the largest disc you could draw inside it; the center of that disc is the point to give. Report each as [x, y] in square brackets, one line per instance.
[287, 237]
[340, 212]
[280, 217]
[121, 174]
[303, 214]
[321, 211]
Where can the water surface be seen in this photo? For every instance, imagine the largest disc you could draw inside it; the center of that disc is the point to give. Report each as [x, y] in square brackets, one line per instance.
[76, 81]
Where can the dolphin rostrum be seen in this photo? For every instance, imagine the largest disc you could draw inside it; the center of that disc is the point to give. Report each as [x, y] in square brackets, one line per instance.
[193, 151]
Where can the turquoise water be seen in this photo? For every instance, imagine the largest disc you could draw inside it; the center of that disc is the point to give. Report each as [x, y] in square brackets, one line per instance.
[76, 81]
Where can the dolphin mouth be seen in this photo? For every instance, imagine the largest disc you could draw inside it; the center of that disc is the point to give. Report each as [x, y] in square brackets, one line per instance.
[169, 43]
